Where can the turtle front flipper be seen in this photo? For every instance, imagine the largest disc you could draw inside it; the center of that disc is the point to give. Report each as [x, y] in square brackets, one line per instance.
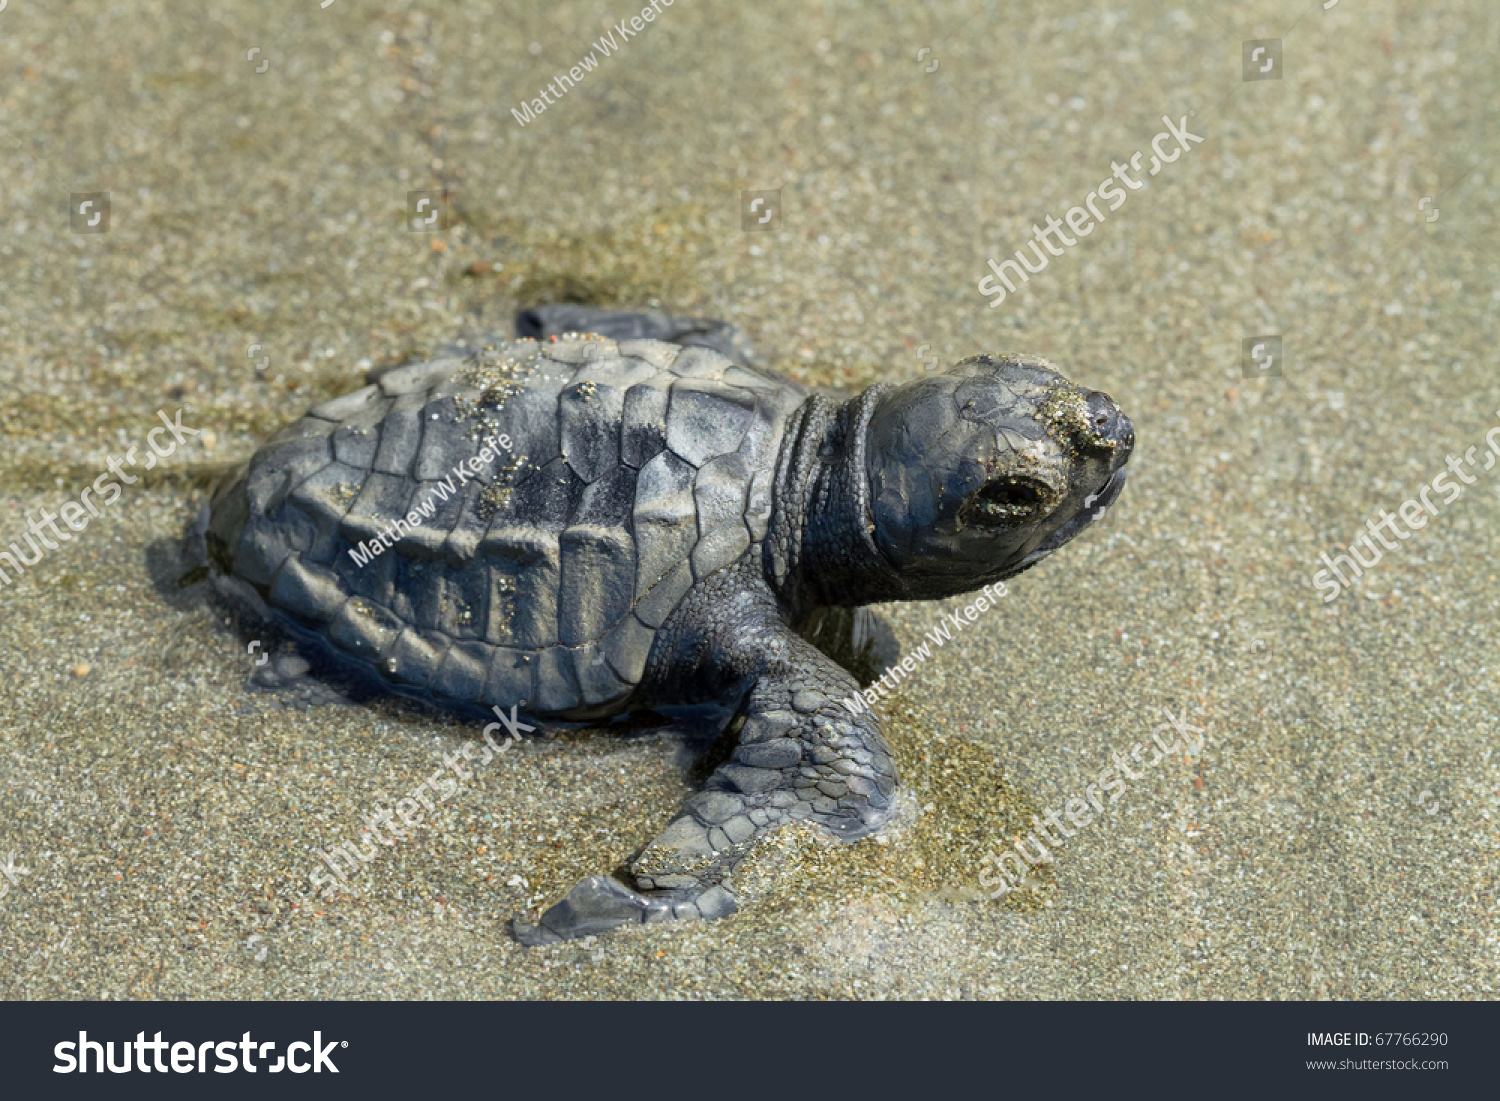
[600, 903]
[802, 756]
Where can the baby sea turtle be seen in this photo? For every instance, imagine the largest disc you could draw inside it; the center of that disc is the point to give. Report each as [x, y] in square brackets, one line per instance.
[644, 523]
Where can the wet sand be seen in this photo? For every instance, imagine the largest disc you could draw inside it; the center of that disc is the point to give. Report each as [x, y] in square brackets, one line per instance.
[1335, 838]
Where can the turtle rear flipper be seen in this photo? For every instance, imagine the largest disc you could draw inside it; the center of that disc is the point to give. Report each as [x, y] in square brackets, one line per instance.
[290, 683]
[541, 322]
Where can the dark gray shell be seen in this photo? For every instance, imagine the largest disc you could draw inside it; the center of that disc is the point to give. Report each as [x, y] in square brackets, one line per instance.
[635, 469]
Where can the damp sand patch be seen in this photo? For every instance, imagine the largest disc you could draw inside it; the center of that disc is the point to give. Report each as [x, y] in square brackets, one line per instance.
[957, 805]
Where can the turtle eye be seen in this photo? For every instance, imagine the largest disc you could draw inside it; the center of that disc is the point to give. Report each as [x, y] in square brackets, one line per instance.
[1008, 500]
[1012, 494]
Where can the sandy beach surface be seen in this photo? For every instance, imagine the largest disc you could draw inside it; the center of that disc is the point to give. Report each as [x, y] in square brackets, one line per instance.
[1334, 837]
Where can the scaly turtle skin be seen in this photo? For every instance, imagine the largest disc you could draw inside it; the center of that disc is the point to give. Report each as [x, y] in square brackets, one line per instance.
[661, 523]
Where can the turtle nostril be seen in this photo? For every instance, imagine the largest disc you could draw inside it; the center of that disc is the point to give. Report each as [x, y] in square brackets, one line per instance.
[1106, 420]
[1101, 415]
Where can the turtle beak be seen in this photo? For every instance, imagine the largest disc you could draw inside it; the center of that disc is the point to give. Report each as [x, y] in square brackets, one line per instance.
[1095, 504]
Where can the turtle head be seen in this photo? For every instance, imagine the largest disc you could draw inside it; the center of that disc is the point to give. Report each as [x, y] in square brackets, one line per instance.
[980, 472]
